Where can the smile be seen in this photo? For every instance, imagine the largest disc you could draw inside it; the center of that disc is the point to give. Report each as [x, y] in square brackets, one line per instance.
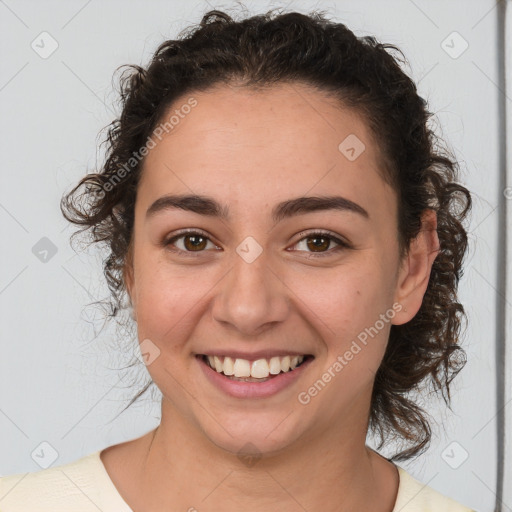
[260, 378]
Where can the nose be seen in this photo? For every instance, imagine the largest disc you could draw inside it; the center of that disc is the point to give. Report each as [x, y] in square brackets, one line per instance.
[251, 297]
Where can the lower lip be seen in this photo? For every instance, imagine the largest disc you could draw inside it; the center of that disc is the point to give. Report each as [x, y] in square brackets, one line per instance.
[240, 389]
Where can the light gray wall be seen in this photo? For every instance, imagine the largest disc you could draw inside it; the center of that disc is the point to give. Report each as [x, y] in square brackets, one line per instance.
[56, 385]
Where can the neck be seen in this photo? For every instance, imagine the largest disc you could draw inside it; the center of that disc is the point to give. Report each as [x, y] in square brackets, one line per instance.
[179, 468]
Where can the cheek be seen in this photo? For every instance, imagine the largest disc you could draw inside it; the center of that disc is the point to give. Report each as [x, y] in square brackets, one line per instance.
[168, 301]
[346, 296]
[350, 308]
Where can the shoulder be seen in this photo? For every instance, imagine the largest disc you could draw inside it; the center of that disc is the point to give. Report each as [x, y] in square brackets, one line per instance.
[81, 486]
[414, 496]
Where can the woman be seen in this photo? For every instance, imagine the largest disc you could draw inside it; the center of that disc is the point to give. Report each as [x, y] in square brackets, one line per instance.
[281, 219]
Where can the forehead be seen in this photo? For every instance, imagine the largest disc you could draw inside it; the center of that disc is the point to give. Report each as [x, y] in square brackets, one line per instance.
[265, 145]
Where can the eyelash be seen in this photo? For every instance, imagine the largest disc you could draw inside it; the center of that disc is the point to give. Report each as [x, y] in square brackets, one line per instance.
[324, 234]
[305, 235]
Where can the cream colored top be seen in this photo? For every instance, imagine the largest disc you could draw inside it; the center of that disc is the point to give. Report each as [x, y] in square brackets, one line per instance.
[85, 486]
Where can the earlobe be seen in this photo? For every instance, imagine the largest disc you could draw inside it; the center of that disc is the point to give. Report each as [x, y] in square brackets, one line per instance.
[127, 273]
[415, 270]
[128, 282]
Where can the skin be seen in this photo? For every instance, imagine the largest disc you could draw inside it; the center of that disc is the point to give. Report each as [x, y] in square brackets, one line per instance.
[251, 150]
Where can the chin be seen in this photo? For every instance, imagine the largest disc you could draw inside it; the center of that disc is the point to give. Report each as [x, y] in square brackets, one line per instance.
[266, 436]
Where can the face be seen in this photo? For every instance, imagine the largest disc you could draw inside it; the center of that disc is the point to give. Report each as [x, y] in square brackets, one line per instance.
[267, 272]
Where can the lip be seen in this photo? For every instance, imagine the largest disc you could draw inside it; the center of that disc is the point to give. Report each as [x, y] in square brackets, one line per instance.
[240, 389]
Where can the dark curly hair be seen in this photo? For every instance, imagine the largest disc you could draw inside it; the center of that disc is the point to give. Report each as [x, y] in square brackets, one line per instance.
[362, 74]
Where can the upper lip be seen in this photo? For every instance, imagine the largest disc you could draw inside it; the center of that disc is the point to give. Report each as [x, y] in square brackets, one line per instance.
[253, 356]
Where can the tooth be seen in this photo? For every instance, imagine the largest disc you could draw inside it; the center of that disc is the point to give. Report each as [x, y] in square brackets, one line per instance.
[275, 365]
[218, 363]
[242, 368]
[285, 363]
[228, 366]
[259, 369]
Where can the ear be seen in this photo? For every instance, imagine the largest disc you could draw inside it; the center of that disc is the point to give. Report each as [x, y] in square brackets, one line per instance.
[129, 280]
[415, 269]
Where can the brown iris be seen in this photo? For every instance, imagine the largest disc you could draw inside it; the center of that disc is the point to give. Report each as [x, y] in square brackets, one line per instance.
[316, 245]
[198, 242]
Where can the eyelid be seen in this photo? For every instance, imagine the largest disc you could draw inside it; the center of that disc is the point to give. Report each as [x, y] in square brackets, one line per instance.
[327, 233]
[168, 241]
[337, 239]
[187, 231]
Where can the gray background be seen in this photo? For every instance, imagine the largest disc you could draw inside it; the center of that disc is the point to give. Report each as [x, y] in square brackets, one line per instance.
[59, 378]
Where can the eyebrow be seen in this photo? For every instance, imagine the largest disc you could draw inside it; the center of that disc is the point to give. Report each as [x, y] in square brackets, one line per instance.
[208, 206]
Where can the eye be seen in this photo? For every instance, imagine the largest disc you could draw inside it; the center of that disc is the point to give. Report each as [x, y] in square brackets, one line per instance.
[318, 242]
[194, 242]
[191, 242]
